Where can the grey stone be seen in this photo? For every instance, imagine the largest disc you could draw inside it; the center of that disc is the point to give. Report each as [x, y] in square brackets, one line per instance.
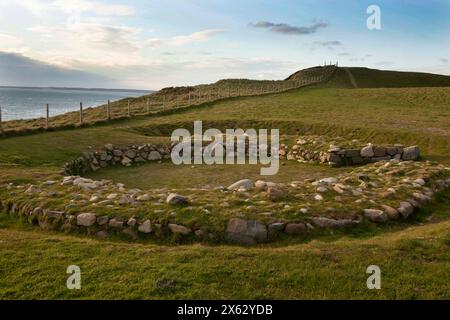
[405, 209]
[86, 219]
[115, 223]
[295, 228]
[245, 184]
[145, 227]
[154, 155]
[379, 151]
[245, 232]
[179, 229]
[375, 215]
[367, 152]
[176, 199]
[411, 153]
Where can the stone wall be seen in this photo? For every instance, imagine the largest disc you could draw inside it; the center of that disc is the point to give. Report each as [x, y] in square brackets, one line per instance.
[114, 155]
[312, 149]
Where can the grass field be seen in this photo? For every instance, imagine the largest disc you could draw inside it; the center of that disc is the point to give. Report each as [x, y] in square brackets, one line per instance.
[414, 256]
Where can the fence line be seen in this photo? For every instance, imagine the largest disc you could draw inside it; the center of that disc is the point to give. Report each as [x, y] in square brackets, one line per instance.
[189, 96]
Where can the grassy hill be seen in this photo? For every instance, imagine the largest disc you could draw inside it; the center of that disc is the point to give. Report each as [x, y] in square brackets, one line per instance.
[373, 78]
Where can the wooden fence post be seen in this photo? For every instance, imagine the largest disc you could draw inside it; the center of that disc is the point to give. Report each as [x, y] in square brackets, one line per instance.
[47, 112]
[164, 102]
[129, 108]
[148, 105]
[81, 113]
[189, 101]
[108, 110]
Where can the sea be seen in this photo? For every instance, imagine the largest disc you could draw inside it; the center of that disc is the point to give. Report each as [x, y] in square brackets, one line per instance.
[27, 103]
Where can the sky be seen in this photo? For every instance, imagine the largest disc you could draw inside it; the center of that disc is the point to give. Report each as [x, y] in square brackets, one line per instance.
[158, 43]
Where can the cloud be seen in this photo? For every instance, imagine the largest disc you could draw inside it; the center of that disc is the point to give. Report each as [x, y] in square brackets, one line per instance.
[99, 8]
[39, 8]
[328, 43]
[19, 70]
[287, 29]
[443, 60]
[199, 36]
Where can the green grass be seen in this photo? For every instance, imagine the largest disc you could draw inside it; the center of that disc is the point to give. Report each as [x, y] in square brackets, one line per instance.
[413, 262]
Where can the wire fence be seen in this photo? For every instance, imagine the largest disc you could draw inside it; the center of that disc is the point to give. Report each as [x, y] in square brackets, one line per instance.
[167, 99]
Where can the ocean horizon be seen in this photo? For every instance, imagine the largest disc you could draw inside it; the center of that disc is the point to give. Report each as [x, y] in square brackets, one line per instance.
[30, 102]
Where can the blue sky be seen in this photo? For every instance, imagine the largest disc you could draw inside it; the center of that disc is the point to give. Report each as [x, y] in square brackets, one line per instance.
[152, 44]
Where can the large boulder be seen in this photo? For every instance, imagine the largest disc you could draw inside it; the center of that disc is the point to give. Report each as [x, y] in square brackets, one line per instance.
[367, 152]
[411, 153]
[375, 215]
[295, 228]
[245, 232]
[86, 219]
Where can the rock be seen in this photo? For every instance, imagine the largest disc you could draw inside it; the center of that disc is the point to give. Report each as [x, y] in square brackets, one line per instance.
[102, 220]
[338, 189]
[154, 155]
[391, 212]
[144, 197]
[115, 223]
[245, 232]
[275, 194]
[102, 234]
[405, 209]
[179, 229]
[109, 147]
[318, 197]
[131, 222]
[329, 180]
[420, 181]
[411, 153]
[86, 219]
[245, 184]
[276, 227]
[379, 151]
[322, 189]
[367, 152]
[126, 162]
[145, 227]
[55, 215]
[295, 228]
[260, 185]
[131, 154]
[421, 197]
[375, 215]
[176, 199]
[124, 199]
[49, 183]
[112, 196]
[323, 222]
